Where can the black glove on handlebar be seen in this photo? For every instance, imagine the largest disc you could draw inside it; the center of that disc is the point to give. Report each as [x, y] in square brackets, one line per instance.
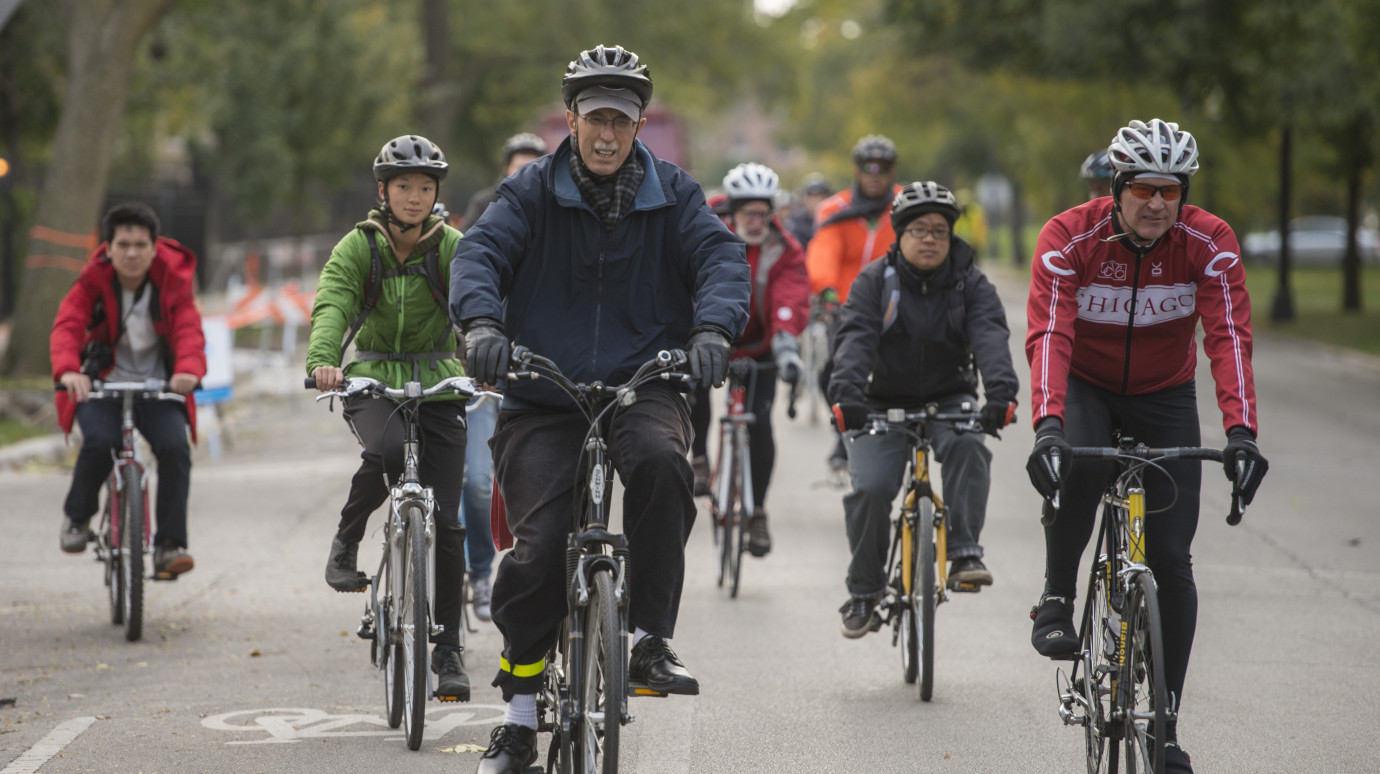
[486, 350]
[997, 414]
[1241, 446]
[1049, 460]
[708, 351]
[850, 416]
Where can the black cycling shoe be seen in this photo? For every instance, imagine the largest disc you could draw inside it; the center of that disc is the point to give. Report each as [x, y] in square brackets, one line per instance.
[1176, 760]
[655, 664]
[859, 617]
[452, 683]
[1054, 635]
[512, 748]
[341, 574]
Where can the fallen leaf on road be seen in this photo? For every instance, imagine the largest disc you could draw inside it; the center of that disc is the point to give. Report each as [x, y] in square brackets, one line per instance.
[102, 666]
[255, 652]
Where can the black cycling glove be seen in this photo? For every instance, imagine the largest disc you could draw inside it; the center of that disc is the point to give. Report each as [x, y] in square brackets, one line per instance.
[1049, 460]
[708, 350]
[486, 350]
[850, 416]
[997, 414]
[1241, 446]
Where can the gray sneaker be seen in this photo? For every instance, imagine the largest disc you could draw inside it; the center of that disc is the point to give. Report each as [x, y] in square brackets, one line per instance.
[171, 561]
[859, 617]
[341, 574]
[759, 537]
[75, 536]
[481, 592]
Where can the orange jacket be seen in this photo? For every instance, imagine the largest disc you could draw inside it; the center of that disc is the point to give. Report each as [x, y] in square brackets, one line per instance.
[841, 249]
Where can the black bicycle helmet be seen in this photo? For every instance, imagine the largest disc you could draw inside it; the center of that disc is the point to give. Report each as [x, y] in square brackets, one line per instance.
[918, 198]
[874, 147]
[1097, 166]
[524, 142]
[410, 153]
[815, 183]
[611, 66]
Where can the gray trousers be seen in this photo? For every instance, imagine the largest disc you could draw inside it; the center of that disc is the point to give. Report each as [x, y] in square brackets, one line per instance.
[877, 466]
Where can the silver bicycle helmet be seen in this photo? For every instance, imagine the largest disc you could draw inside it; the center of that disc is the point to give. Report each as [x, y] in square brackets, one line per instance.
[920, 197]
[524, 142]
[751, 181]
[611, 66]
[1158, 146]
[410, 153]
[874, 147]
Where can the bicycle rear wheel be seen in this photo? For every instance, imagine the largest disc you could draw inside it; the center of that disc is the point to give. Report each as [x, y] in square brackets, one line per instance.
[924, 595]
[413, 615]
[132, 551]
[604, 687]
[389, 649]
[1145, 700]
[1097, 660]
[722, 510]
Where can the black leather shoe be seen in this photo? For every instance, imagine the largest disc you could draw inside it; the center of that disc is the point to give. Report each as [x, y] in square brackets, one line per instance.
[970, 569]
[512, 748]
[452, 683]
[655, 664]
[341, 574]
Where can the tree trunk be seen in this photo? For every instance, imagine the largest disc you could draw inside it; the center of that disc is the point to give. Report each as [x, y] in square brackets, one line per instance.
[103, 38]
[1351, 260]
[439, 103]
[1283, 310]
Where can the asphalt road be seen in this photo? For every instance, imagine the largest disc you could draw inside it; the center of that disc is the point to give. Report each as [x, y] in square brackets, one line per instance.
[249, 663]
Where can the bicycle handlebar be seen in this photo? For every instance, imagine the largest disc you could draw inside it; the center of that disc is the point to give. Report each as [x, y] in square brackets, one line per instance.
[355, 385]
[149, 388]
[664, 366]
[744, 364]
[963, 421]
[1148, 454]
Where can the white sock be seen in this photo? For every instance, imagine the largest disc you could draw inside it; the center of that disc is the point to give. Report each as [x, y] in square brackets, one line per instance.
[638, 634]
[522, 710]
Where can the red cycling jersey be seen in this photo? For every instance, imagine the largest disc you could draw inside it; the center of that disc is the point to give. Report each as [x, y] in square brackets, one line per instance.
[1093, 300]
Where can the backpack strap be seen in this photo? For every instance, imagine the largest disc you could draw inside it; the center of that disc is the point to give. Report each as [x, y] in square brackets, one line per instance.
[371, 290]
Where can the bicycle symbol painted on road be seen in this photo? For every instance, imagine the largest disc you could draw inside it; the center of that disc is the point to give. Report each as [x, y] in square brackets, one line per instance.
[285, 725]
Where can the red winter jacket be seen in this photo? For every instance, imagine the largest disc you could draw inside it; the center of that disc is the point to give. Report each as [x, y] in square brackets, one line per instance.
[1082, 318]
[780, 286]
[173, 308]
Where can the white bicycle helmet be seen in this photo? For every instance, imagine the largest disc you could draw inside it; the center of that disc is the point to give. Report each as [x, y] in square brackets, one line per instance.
[751, 181]
[920, 197]
[1158, 146]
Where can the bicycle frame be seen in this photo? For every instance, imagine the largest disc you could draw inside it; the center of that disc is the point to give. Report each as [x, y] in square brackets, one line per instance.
[124, 458]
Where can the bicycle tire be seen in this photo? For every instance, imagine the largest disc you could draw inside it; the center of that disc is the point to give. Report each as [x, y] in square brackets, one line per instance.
[414, 627]
[910, 632]
[1145, 699]
[925, 597]
[109, 539]
[743, 510]
[732, 518]
[1096, 659]
[720, 508]
[605, 684]
[132, 551]
[387, 642]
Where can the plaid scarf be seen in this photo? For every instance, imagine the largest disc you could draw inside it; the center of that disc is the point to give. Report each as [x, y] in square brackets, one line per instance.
[627, 180]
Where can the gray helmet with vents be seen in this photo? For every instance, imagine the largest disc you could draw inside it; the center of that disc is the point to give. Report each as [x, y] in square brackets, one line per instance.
[874, 147]
[1097, 166]
[611, 66]
[523, 142]
[410, 153]
[1158, 146]
[920, 197]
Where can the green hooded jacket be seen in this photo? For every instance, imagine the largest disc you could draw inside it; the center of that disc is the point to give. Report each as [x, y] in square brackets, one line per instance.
[406, 317]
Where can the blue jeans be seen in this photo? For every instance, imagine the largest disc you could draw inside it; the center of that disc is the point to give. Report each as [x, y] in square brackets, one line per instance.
[478, 489]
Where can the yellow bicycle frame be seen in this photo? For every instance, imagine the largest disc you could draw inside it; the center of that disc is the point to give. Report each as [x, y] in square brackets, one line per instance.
[911, 504]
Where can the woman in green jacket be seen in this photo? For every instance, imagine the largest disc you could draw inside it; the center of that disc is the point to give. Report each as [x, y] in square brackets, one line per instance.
[385, 282]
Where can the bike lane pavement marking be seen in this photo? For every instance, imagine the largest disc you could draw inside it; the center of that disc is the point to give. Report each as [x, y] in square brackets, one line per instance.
[286, 725]
[50, 745]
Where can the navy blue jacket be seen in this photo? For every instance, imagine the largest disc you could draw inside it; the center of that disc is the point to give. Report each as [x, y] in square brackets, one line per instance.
[598, 302]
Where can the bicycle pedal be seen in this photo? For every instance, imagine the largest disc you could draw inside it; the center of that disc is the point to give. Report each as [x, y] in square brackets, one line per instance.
[164, 576]
[642, 689]
[966, 588]
[439, 697]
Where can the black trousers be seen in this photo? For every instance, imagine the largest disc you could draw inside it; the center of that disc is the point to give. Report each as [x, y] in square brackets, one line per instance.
[1165, 418]
[163, 423]
[378, 424]
[761, 440]
[535, 457]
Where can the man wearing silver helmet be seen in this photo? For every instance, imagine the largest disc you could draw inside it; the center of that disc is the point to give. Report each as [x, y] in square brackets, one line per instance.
[1118, 286]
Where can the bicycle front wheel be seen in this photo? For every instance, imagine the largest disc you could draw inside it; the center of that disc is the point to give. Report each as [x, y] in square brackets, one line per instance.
[1145, 700]
[909, 622]
[110, 540]
[132, 551]
[722, 510]
[386, 642]
[604, 687]
[1097, 662]
[743, 504]
[414, 629]
[923, 597]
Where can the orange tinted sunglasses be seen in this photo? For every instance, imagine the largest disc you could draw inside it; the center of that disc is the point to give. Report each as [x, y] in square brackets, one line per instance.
[1170, 193]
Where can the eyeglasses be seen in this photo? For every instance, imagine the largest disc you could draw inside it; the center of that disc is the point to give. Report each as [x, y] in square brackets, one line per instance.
[1171, 193]
[920, 232]
[875, 167]
[621, 124]
[746, 214]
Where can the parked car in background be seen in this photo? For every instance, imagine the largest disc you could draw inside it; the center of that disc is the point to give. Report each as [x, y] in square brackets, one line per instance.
[1314, 240]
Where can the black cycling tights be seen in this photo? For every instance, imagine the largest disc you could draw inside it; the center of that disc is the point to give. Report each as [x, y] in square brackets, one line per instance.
[1159, 419]
[762, 445]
